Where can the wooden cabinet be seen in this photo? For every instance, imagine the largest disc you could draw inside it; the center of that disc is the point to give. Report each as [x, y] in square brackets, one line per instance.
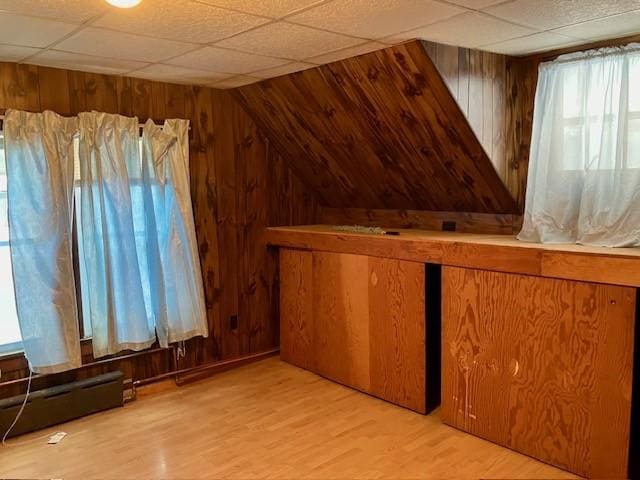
[543, 366]
[357, 320]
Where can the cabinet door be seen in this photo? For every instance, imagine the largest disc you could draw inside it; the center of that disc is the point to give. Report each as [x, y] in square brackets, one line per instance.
[297, 332]
[341, 309]
[357, 320]
[540, 365]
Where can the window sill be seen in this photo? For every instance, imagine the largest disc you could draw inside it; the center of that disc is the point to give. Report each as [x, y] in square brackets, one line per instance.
[19, 353]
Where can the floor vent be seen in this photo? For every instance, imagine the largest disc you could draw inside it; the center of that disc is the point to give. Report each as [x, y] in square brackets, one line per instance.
[62, 403]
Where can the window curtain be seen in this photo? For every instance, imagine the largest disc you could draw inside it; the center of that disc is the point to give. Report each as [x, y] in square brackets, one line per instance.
[584, 168]
[39, 160]
[113, 234]
[177, 295]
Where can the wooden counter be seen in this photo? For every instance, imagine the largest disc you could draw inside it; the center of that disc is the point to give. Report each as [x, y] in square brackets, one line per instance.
[500, 253]
[534, 343]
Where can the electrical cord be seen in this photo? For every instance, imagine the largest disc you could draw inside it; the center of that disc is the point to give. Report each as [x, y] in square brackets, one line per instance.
[24, 403]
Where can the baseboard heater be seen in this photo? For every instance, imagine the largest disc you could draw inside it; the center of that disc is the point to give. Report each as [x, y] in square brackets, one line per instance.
[62, 403]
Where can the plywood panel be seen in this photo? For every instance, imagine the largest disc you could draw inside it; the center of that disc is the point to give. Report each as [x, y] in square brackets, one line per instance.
[397, 332]
[357, 320]
[527, 364]
[341, 308]
[297, 327]
[504, 253]
[381, 130]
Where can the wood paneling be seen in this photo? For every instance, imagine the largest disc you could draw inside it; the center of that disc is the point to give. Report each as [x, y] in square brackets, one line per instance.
[357, 320]
[464, 222]
[477, 80]
[379, 131]
[540, 365]
[521, 80]
[502, 253]
[239, 185]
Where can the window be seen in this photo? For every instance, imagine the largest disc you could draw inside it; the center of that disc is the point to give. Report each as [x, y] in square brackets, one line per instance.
[10, 338]
[140, 233]
[584, 164]
[597, 116]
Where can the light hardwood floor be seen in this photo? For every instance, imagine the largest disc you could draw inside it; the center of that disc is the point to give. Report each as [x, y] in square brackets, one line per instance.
[265, 420]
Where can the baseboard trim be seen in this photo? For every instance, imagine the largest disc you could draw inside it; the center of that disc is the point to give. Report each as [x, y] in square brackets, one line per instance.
[204, 371]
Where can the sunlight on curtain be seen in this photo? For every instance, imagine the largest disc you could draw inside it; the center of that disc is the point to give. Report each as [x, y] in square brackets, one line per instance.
[584, 169]
[174, 269]
[39, 158]
[113, 235]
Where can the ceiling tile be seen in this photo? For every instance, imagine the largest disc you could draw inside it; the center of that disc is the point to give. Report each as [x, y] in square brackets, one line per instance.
[11, 53]
[538, 42]
[180, 20]
[286, 40]
[30, 31]
[358, 18]
[469, 29]
[229, 61]
[107, 43]
[283, 70]
[609, 27]
[87, 63]
[547, 14]
[346, 53]
[76, 11]
[175, 74]
[267, 8]
[475, 4]
[234, 82]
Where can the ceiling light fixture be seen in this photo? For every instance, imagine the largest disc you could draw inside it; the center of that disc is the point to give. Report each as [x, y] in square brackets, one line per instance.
[124, 3]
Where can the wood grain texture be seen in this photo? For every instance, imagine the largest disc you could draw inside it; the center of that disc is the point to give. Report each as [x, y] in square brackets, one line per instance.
[397, 332]
[502, 253]
[342, 318]
[477, 80]
[239, 186]
[521, 81]
[267, 420]
[527, 363]
[381, 130]
[357, 320]
[464, 222]
[297, 327]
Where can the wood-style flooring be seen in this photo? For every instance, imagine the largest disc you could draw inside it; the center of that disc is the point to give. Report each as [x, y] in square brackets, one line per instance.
[265, 420]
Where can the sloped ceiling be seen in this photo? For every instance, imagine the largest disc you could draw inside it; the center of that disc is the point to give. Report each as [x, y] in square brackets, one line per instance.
[379, 131]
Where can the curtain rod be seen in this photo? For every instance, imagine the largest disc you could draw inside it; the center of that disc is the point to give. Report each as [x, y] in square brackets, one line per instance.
[140, 125]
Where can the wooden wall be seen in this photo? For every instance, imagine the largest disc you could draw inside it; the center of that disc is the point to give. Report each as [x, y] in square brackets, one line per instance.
[477, 80]
[380, 131]
[495, 94]
[239, 184]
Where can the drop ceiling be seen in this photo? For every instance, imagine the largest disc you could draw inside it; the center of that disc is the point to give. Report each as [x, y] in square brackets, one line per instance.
[229, 43]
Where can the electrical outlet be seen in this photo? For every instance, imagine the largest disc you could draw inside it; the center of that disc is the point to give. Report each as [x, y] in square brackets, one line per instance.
[448, 226]
[233, 322]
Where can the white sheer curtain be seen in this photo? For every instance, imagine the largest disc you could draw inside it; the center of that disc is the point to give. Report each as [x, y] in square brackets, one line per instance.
[584, 168]
[177, 295]
[39, 159]
[113, 234]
